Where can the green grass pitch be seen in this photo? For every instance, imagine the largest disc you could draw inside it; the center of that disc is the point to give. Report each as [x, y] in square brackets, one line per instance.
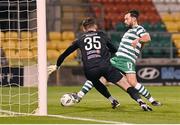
[95, 106]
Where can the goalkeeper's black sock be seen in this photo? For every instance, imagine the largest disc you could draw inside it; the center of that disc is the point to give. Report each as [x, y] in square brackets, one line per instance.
[85, 89]
[133, 93]
[100, 87]
[88, 85]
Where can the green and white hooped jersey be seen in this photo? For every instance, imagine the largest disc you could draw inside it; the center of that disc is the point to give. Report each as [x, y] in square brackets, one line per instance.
[125, 48]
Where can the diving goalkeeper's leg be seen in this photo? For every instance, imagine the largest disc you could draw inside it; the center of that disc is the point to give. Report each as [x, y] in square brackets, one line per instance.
[101, 88]
[88, 85]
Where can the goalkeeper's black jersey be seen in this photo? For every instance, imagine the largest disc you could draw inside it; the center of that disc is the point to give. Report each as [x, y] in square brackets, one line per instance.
[95, 49]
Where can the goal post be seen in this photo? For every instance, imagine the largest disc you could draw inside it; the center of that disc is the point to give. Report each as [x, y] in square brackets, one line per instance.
[23, 60]
[42, 57]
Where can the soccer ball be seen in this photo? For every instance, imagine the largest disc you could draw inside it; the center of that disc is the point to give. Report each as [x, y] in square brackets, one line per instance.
[67, 100]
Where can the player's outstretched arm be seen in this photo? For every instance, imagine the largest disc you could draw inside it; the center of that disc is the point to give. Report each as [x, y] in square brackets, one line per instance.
[61, 58]
[143, 39]
[66, 53]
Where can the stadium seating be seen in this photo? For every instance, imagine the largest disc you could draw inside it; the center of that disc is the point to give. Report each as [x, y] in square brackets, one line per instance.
[51, 45]
[150, 19]
[26, 35]
[176, 16]
[2, 36]
[170, 13]
[63, 45]
[54, 36]
[120, 27]
[9, 44]
[10, 54]
[11, 35]
[68, 35]
[176, 37]
[171, 26]
[23, 44]
[57, 43]
[34, 36]
[18, 46]
[176, 40]
[25, 54]
[159, 47]
[34, 52]
[53, 54]
[160, 27]
[159, 42]
[157, 16]
[116, 38]
[33, 44]
[115, 10]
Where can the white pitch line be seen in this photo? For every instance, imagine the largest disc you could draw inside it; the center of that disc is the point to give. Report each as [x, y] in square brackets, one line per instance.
[87, 119]
[64, 117]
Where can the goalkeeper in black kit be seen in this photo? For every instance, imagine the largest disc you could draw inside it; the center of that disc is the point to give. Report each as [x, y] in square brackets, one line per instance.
[96, 51]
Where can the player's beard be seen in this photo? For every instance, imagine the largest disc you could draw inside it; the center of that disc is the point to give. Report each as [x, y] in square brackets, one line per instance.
[128, 26]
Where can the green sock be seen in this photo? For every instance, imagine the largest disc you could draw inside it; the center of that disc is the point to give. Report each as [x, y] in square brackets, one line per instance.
[143, 91]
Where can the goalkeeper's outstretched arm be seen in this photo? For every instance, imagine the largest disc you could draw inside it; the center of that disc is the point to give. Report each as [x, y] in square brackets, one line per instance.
[66, 53]
[61, 58]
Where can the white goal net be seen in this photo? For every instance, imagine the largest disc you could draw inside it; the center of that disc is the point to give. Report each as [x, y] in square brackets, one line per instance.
[20, 68]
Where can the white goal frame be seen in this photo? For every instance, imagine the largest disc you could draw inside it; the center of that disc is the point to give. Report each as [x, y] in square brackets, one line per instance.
[41, 109]
[42, 57]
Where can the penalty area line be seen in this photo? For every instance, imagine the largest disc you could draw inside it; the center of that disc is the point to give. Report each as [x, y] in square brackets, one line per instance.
[87, 119]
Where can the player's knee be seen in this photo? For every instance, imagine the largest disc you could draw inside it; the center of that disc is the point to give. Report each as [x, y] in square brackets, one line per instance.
[123, 83]
[104, 81]
[132, 81]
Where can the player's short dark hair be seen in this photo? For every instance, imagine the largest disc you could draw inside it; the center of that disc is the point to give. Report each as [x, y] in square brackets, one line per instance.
[134, 13]
[88, 22]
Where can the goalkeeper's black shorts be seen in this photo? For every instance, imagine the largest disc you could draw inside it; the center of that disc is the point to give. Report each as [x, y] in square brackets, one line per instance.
[109, 72]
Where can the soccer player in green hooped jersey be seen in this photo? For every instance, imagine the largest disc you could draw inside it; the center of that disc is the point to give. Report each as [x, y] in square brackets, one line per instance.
[126, 56]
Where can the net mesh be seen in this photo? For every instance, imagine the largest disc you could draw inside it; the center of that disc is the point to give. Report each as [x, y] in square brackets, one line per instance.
[18, 60]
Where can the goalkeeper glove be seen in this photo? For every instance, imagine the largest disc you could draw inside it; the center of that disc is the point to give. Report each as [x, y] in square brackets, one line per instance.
[51, 69]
